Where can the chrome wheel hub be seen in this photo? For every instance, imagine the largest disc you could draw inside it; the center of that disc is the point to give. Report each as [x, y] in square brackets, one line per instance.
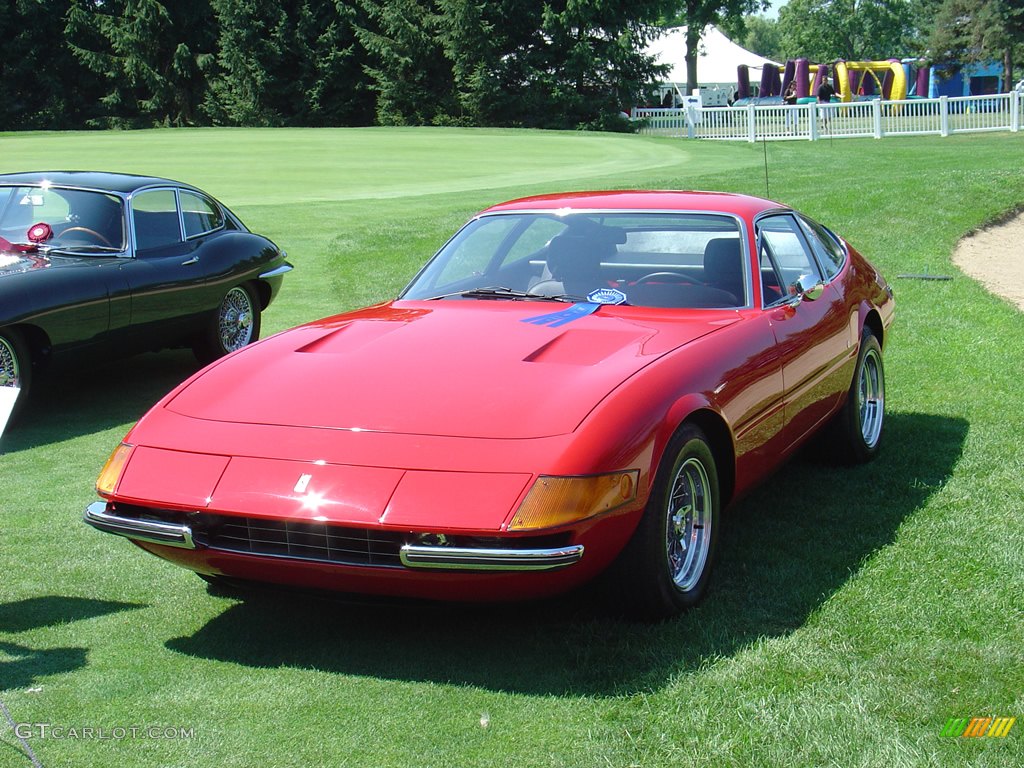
[871, 398]
[688, 524]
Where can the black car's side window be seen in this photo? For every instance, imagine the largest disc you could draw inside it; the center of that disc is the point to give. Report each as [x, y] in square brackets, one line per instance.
[155, 219]
[200, 214]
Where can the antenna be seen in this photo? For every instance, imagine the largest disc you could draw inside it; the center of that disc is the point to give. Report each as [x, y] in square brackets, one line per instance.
[764, 144]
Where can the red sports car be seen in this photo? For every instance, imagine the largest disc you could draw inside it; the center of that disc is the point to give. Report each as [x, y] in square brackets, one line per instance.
[573, 383]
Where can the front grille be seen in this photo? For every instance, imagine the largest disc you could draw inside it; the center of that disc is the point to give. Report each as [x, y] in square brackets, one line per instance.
[319, 542]
[303, 541]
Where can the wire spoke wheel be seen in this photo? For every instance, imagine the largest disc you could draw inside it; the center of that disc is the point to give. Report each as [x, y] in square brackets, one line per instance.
[688, 524]
[15, 368]
[234, 324]
[10, 369]
[235, 319]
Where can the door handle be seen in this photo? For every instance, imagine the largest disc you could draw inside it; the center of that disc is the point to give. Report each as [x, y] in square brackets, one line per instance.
[189, 262]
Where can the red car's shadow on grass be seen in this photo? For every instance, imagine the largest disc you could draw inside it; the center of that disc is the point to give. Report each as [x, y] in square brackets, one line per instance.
[784, 551]
[70, 402]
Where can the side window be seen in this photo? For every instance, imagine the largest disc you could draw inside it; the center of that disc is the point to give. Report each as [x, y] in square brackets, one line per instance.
[199, 214]
[156, 221]
[783, 254]
[830, 253]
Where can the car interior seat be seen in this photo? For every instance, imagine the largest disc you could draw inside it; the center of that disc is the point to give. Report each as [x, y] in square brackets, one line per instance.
[574, 263]
[723, 267]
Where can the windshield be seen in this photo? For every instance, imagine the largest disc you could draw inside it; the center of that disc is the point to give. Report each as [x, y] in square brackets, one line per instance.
[67, 219]
[642, 259]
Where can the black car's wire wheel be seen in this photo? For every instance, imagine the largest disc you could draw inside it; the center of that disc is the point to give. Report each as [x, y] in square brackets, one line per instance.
[15, 365]
[235, 324]
[236, 318]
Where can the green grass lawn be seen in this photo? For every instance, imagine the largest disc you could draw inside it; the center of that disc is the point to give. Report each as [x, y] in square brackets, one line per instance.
[853, 612]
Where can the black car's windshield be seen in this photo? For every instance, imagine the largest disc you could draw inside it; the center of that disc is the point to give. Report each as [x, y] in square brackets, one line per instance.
[643, 259]
[66, 220]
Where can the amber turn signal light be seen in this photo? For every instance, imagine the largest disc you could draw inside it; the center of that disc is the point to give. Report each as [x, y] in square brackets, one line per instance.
[554, 501]
[106, 484]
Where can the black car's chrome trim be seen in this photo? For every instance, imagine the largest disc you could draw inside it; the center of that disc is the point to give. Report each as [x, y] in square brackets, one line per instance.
[168, 534]
[478, 559]
[284, 269]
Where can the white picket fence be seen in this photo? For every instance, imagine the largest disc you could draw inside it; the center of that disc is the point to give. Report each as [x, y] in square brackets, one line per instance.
[808, 122]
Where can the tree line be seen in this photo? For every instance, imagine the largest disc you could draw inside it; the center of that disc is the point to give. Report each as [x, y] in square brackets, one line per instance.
[69, 64]
[142, 63]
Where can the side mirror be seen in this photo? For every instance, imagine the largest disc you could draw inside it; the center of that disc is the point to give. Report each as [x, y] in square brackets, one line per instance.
[807, 287]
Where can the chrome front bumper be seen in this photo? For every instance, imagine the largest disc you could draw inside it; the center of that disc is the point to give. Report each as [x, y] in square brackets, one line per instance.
[284, 269]
[168, 534]
[475, 559]
[415, 556]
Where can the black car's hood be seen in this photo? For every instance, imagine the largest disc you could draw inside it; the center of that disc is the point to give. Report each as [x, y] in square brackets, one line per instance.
[13, 262]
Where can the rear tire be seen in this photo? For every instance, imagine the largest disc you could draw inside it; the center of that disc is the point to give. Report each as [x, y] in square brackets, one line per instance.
[857, 427]
[15, 367]
[235, 324]
[667, 563]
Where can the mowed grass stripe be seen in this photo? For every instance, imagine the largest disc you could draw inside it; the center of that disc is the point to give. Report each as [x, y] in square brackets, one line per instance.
[282, 167]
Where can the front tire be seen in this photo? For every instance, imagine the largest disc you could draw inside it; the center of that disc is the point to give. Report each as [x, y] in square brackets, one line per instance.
[667, 563]
[15, 367]
[235, 324]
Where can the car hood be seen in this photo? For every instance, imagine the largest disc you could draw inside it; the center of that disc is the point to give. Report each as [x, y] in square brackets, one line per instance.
[484, 369]
[19, 260]
[13, 261]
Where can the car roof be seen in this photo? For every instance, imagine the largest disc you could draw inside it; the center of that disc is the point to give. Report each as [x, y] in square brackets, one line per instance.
[123, 183]
[643, 200]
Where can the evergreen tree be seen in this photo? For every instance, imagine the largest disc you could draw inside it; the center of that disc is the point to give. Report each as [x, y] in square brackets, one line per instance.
[291, 63]
[42, 84]
[152, 56]
[408, 71]
[248, 58]
[566, 63]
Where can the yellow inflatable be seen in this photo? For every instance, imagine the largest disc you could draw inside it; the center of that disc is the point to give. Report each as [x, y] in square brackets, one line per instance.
[872, 69]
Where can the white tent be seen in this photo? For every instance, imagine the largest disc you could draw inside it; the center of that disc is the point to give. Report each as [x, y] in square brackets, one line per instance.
[717, 58]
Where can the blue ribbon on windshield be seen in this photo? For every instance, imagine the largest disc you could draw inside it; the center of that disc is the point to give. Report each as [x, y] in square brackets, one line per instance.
[555, 319]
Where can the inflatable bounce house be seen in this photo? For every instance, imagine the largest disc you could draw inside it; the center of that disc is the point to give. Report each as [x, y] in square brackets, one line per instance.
[890, 80]
[852, 80]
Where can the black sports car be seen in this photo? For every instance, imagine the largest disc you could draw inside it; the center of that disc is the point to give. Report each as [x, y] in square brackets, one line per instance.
[107, 264]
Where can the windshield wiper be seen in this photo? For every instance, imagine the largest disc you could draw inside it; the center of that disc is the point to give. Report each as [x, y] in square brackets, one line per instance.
[501, 292]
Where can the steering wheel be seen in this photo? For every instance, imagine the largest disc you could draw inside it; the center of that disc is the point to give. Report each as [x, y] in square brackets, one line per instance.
[666, 277]
[93, 232]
